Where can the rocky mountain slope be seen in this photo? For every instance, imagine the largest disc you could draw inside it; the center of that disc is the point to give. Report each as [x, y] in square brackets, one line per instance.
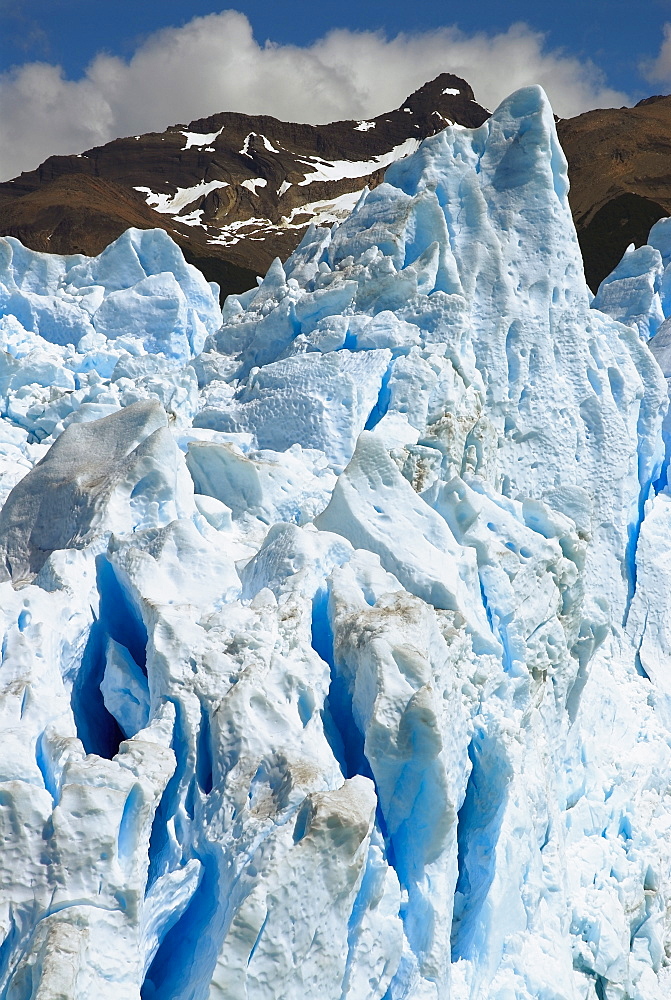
[234, 191]
[620, 171]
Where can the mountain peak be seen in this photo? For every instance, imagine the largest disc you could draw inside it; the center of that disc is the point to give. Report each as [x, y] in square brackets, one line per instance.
[446, 89]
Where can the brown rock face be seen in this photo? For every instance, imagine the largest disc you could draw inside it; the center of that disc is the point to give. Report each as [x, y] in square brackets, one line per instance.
[234, 191]
[620, 173]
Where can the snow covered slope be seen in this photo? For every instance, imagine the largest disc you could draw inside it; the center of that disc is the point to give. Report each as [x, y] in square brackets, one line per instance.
[334, 635]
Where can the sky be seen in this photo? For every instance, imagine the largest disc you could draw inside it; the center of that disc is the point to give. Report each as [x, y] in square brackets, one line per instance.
[77, 73]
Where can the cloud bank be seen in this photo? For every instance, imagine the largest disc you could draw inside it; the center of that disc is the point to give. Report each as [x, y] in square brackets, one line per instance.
[214, 64]
[658, 70]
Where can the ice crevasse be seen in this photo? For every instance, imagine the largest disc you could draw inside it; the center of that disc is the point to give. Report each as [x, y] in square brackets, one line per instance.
[335, 643]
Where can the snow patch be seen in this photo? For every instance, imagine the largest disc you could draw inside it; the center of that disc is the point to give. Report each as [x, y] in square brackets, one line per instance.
[267, 144]
[199, 139]
[252, 183]
[171, 204]
[325, 170]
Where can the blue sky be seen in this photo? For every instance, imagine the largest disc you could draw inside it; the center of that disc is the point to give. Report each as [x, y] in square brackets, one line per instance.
[77, 73]
[616, 34]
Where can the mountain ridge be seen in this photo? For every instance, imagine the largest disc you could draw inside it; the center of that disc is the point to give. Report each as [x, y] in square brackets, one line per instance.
[233, 190]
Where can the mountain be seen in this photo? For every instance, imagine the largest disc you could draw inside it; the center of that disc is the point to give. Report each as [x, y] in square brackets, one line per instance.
[620, 178]
[234, 191]
[335, 624]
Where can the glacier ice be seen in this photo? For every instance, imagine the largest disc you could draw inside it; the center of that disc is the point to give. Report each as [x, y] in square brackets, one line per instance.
[334, 628]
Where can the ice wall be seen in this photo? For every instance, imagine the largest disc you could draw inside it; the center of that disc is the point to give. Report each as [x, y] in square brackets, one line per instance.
[334, 633]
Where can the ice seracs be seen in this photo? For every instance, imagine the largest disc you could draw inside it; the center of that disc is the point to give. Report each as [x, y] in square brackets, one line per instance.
[333, 627]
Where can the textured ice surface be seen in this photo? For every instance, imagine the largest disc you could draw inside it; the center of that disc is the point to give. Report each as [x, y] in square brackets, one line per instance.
[335, 642]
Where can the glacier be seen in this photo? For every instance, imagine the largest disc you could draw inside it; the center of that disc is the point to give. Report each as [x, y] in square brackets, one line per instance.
[335, 641]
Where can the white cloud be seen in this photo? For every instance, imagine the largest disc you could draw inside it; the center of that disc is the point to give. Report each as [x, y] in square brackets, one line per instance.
[214, 64]
[658, 70]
